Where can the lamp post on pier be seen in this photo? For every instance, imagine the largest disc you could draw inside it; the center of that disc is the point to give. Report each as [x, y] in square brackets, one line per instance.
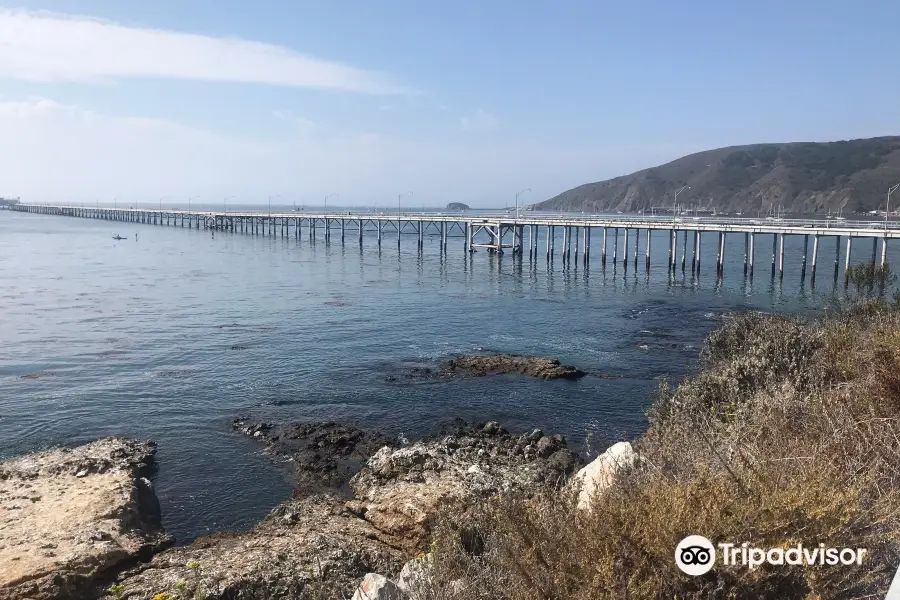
[399, 212]
[887, 209]
[189, 202]
[399, 196]
[270, 202]
[326, 201]
[225, 202]
[675, 205]
[517, 200]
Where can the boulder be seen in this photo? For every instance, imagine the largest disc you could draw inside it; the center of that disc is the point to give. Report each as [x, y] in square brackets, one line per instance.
[70, 516]
[401, 490]
[599, 474]
[377, 587]
[415, 577]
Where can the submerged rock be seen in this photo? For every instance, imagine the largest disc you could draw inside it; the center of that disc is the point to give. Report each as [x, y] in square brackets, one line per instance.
[497, 364]
[401, 490]
[326, 455]
[70, 516]
[308, 547]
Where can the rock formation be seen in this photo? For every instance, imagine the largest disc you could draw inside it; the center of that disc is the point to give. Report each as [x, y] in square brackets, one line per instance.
[309, 545]
[402, 490]
[496, 364]
[70, 516]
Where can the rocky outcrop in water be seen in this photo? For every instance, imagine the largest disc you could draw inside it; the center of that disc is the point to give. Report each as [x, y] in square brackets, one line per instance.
[498, 364]
[70, 516]
[325, 455]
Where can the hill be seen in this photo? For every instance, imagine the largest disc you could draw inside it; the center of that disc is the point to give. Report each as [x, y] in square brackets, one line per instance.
[801, 177]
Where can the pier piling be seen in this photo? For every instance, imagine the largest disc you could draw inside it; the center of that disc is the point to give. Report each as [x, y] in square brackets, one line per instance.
[847, 258]
[815, 254]
[603, 251]
[781, 257]
[647, 254]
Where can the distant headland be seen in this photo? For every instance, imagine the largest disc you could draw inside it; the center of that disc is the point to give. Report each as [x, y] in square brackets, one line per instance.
[801, 177]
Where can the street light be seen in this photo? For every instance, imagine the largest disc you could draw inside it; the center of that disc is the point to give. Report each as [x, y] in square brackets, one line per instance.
[517, 200]
[326, 202]
[398, 204]
[887, 209]
[675, 207]
[270, 201]
[189, 202]
[399, 196]
[225, 202]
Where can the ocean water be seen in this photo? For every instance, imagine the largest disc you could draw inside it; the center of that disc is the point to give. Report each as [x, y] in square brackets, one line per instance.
[171, 336]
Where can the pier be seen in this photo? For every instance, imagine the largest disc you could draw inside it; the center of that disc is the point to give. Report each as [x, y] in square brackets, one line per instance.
[523, 234]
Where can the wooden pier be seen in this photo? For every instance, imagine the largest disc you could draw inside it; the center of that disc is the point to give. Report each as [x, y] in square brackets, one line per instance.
[502, 233]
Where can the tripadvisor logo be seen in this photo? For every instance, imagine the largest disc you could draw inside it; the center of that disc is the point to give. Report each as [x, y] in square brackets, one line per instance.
[696, 555]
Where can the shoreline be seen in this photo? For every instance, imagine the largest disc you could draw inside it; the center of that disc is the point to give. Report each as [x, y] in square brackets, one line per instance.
[781, 408]
[462, 461]
[331, 474]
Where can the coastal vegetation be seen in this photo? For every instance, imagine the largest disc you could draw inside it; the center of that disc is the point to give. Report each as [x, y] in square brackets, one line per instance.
[788, 433]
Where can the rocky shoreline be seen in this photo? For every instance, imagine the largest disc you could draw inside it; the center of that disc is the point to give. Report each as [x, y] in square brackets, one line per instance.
[85, 522]
[70, 518]
[363, 505]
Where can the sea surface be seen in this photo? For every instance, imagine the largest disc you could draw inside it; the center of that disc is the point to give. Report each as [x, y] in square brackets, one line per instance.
[174, 334]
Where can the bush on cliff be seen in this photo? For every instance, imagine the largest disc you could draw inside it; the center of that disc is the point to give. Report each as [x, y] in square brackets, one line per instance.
[788, 434]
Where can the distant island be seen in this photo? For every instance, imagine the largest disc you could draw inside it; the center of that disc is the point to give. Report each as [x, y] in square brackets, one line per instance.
[457, 206]
[800, 177]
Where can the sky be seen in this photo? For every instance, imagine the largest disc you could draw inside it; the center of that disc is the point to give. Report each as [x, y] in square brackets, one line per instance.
[466, 101]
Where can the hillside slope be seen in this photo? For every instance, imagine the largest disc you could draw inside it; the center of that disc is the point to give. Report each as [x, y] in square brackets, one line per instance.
[802, 177]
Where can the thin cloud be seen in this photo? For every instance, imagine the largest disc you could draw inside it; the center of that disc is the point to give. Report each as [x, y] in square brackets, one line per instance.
[135, 158]
[303, 124]
[481, 121]
[48, 47]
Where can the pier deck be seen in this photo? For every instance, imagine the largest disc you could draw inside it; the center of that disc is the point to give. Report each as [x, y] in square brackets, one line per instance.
[507, 232]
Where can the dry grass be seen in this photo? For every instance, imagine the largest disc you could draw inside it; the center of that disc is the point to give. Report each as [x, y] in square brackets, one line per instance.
[788, 434]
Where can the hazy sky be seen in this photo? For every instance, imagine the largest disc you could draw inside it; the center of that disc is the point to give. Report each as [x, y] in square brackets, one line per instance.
[457, 101]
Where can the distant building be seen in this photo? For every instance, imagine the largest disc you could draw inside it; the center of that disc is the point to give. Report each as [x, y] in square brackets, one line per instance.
[8, 201]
